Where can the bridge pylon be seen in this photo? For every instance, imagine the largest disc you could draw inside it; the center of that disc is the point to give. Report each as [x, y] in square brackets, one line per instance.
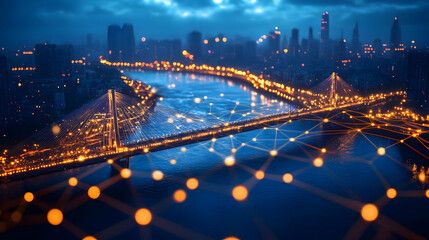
[114, 140]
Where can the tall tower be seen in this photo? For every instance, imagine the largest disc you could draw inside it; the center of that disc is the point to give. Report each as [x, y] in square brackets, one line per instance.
[294, 42]
[356, 46]
[195, 44]
[325, 50]
[128, 43]
[395, 35]
[114, 40]
[274, 41]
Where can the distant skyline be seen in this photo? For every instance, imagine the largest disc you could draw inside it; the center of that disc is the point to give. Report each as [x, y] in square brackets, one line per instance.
[63, 21]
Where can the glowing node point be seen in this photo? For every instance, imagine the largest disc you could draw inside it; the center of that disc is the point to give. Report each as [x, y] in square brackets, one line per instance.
[273, 153]
[157, 175]
[173, 161]
[197, 100]
[427, 193]
[125, 173]
[179, 196]
[94, 192]
[55, 216]
[233, 150]
[391, 193]
[287, 178]
[292, 139]
[110, 161]
[381, 151]
[211, 149]
[323, 150]
[143, 216]
[259, 175]
[192, 183]
[56, 130]
[229, 161]
[369, 212]
[28, 197]
[239, 193]
[73, 181]
[318, 162]
[183, 149]
[325, 120]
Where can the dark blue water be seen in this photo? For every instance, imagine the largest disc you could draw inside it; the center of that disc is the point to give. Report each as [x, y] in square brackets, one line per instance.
[314, 206]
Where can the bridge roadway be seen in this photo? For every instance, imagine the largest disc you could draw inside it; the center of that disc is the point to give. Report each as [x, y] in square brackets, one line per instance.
[194, 136]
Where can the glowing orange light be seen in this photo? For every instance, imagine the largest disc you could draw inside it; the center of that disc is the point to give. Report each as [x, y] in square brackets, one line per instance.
[184, 52]
[94, 192]
[239, 193]
[217, 39]
[179, 196]
[287, 178]
[28, 197]
[56, 129]
[125, 173]
[229, 161]
[259, 175]
[369, 212]
[192, 183]
[89, 238]
[143, 216]
[55, 216]
[206, 41]
[157, 175]
[73, 181]
[391, 193]
[381, 151]
[318, 162]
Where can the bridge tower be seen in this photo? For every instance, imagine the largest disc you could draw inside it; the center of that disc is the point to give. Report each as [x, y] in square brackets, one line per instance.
[333, 94]
[114, 140]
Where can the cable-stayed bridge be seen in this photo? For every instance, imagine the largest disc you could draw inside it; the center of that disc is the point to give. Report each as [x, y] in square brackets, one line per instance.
[117, 126]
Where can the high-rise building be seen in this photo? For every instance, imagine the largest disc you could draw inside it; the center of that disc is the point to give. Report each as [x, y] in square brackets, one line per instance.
[4, 89]
[325, 48]
[395, 35]
[53, 61]
[128, 43]
[313, 45]
[356, 45]
[114, 41]
[417, 81]
[294, 43]
[45, 59]
[195, 44]
[274, 42]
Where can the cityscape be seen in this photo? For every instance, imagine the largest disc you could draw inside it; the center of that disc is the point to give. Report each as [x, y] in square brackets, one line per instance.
[307, 128]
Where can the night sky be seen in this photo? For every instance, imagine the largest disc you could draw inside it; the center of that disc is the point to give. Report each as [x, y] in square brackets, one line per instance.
[68, 21]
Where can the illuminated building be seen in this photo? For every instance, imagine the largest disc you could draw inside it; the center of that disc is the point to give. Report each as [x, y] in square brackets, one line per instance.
[356, 45]
[114, 40]
[417, 82]
[4, 88]
[325, 49]
[395, 36]
[274, 42]
[53, 61]
[128, 43]
[294, 43]
[194, 44]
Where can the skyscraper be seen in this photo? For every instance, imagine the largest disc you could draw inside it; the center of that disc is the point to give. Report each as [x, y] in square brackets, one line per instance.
[4, 89]
[356, 46]
[395, 35]
[114, 40]
[128, 43]
[325, 50]
[313, 46]
[274, 41]
[195, 44]
[417, 81]
[294, 42]
[45, 59]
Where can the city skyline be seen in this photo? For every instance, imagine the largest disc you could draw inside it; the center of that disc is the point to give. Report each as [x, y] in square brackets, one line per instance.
[60, 23]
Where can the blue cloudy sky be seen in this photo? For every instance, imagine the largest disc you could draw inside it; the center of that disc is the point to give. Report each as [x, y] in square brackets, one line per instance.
[68, 21]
